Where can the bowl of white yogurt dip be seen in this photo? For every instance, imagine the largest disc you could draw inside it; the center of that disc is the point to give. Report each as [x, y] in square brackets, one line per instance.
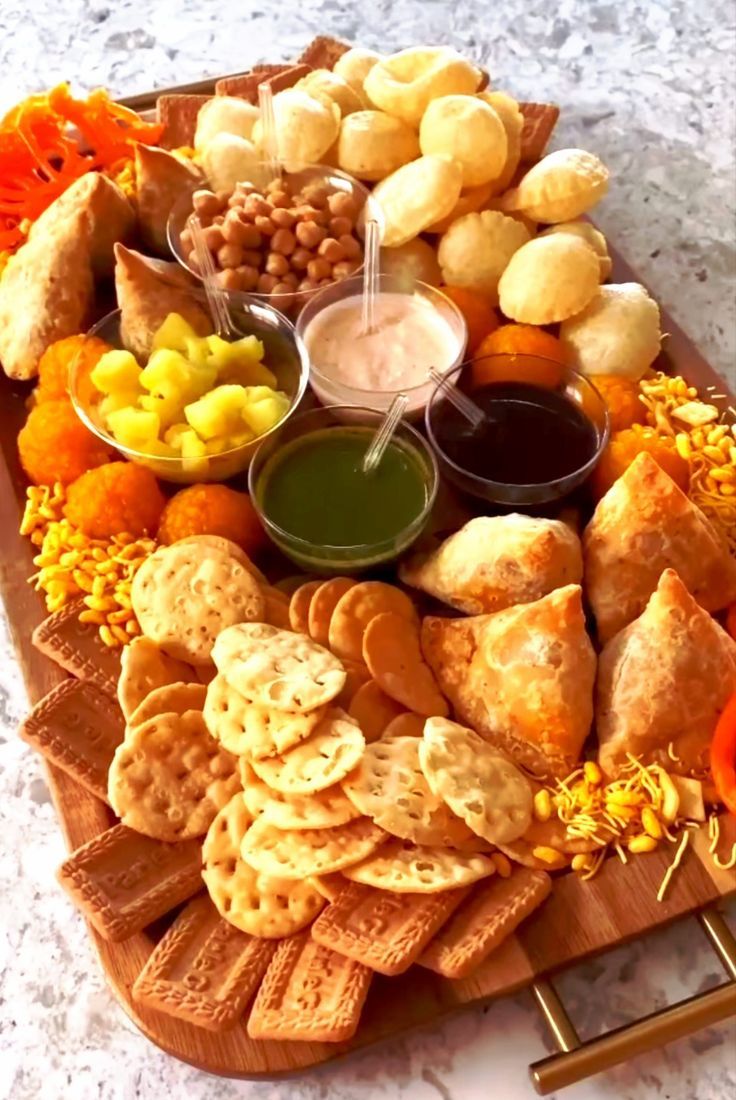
[416, 327]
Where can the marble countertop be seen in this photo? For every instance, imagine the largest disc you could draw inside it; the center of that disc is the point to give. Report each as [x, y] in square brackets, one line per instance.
[649, 86]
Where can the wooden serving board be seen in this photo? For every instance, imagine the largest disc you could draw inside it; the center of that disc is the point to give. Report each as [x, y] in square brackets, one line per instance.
[580, 919]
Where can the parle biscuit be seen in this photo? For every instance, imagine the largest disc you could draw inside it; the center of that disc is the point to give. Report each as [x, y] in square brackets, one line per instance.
[355, 609]
[277, 668]
[299, 603]
[373, 710]
[383, 930]
[484, 920]
[77, 727]
[170, 777]
[178, 113]
[329, 886]
[330, 752]
[246, 85]
[408, 868]
[143, 667]
[393, 655]
[203, 970]
[77, 647]
[301, 853]
[322, 604]
[309, 993]
[258, 904]
[184, 597]
[121, 880]
[169, 699]
[247, 729]
[540, 120]
[322, 52]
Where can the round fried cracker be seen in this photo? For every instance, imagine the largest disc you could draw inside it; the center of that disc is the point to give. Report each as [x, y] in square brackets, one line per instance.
[183, 597]
[321, 810]
[389, 787]
[170, 777]
[169, 699]
[143, 667]
[253, 902]
[276, 612]
[247, 729]
[373, 710]
[356, 675]
[255, 792]
[289, 585]
[392, 652]
[296, 854]
[482, 787]
[329, 886]
[356, 608]
[322, 604]
[277, 668]
[522, 851]
[407, 868]
[326, 757]
[301, 598]
[405, 725]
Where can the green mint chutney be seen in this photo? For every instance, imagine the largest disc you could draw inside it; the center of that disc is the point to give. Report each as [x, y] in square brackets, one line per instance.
[315, 490]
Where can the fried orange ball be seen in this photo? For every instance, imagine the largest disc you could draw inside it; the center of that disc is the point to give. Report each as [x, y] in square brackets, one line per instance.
[621, 396]
[54, 367]
[624, 446]
[479, 314]
[518, 353]
[113, 499]
[212, 510]
[54, 444]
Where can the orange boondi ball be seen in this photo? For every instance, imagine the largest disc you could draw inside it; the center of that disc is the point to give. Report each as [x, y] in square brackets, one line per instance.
[54, 367]
[516, 348]
[624, 446]
[212, 510]
[54, 444]
[621, 396]
[479, 314]
[114, 499]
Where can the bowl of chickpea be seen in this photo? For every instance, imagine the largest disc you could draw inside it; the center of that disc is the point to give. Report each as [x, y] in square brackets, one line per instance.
[282, 240]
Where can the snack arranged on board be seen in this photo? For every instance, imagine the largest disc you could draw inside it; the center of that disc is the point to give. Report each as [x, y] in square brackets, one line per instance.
[362, 777]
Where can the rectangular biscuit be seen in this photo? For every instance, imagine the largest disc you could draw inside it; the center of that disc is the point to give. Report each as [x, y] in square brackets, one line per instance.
[77, 727]
[492, 912]
[78, 648]
[178, 113]
[540, 120]
[384, 931]
[309, 993]
[245, 86]
[122, 880]
[322, 52]
[204, 970]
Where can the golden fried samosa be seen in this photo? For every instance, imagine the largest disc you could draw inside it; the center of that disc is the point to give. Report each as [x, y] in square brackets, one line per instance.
[161, 178]
[643, 525]
[664, 680]
[495, 562]
[108, 217]
[522, 677]
[148, 291]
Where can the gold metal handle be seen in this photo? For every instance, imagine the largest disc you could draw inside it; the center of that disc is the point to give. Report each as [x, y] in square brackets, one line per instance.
[579, 1060]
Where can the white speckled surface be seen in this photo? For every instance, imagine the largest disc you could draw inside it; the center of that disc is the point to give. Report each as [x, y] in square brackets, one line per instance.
[649, 86]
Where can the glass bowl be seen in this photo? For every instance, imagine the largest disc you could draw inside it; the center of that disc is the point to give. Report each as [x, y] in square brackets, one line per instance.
[336, 180]
[563, 381]
[326, 558]
[283, 355]
[332, 391]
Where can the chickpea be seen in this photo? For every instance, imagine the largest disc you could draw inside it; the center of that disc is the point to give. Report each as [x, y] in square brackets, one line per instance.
[218, 219]
[284, 219]
[331, 250]
[192, 261]
[326, 282]
[280, 199]
[320, 268]
[283, 241]
[277, 264]
[252, 257]
[253, 237]
[307, 284]
[290, 279]
[340, 226]
[206, 204]
[185, 239]
[351, 246]
[345, 268]
[278, 185]
[310, 234]
[266, 283]
[236, 200]
[248, 276]
[286, 295]
[230, 255]
[213, 237]
[255, 205]
[306, 213]
[234, 230]
[265, 225]
[300, 258]
[342, 205]
[222, 197]
[229, 279]
[316, 194]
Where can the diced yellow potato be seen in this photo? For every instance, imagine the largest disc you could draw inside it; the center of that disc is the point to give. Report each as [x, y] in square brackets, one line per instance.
[173, 435]
[260, 416]
[169, 374]
[217, 412]
[220, 443]
[174, 333]
[231, 358]
[135, 428]
[160, 449]
[115, 371]
[248, 374]
[192, 446]
[113, 402]
[168, 408]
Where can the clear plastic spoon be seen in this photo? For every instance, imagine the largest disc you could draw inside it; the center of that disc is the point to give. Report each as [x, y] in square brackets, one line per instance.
[216, 299]
[383, 436]
[269, 138]
[456, 397]
[370, 277]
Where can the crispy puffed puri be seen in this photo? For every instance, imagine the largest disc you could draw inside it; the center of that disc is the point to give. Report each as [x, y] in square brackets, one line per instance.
[247, 729]
[388, 786]
[549, 279]
[483, 788]
[143, 667]
[170, 777]
[408, 868]
[276, 668]
[592, 236]
[618, 332]
[405, 83]
[415, 196]
[183, 598]
[298, 853]
[562, 186]
[355, 609]
[253, 902]
[392, 652]
[330, 752]
[476, 249]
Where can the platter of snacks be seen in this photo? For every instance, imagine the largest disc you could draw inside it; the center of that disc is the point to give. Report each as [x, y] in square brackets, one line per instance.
[339, 750]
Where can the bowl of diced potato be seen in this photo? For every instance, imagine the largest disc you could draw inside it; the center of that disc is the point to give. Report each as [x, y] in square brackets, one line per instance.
[198, 407]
